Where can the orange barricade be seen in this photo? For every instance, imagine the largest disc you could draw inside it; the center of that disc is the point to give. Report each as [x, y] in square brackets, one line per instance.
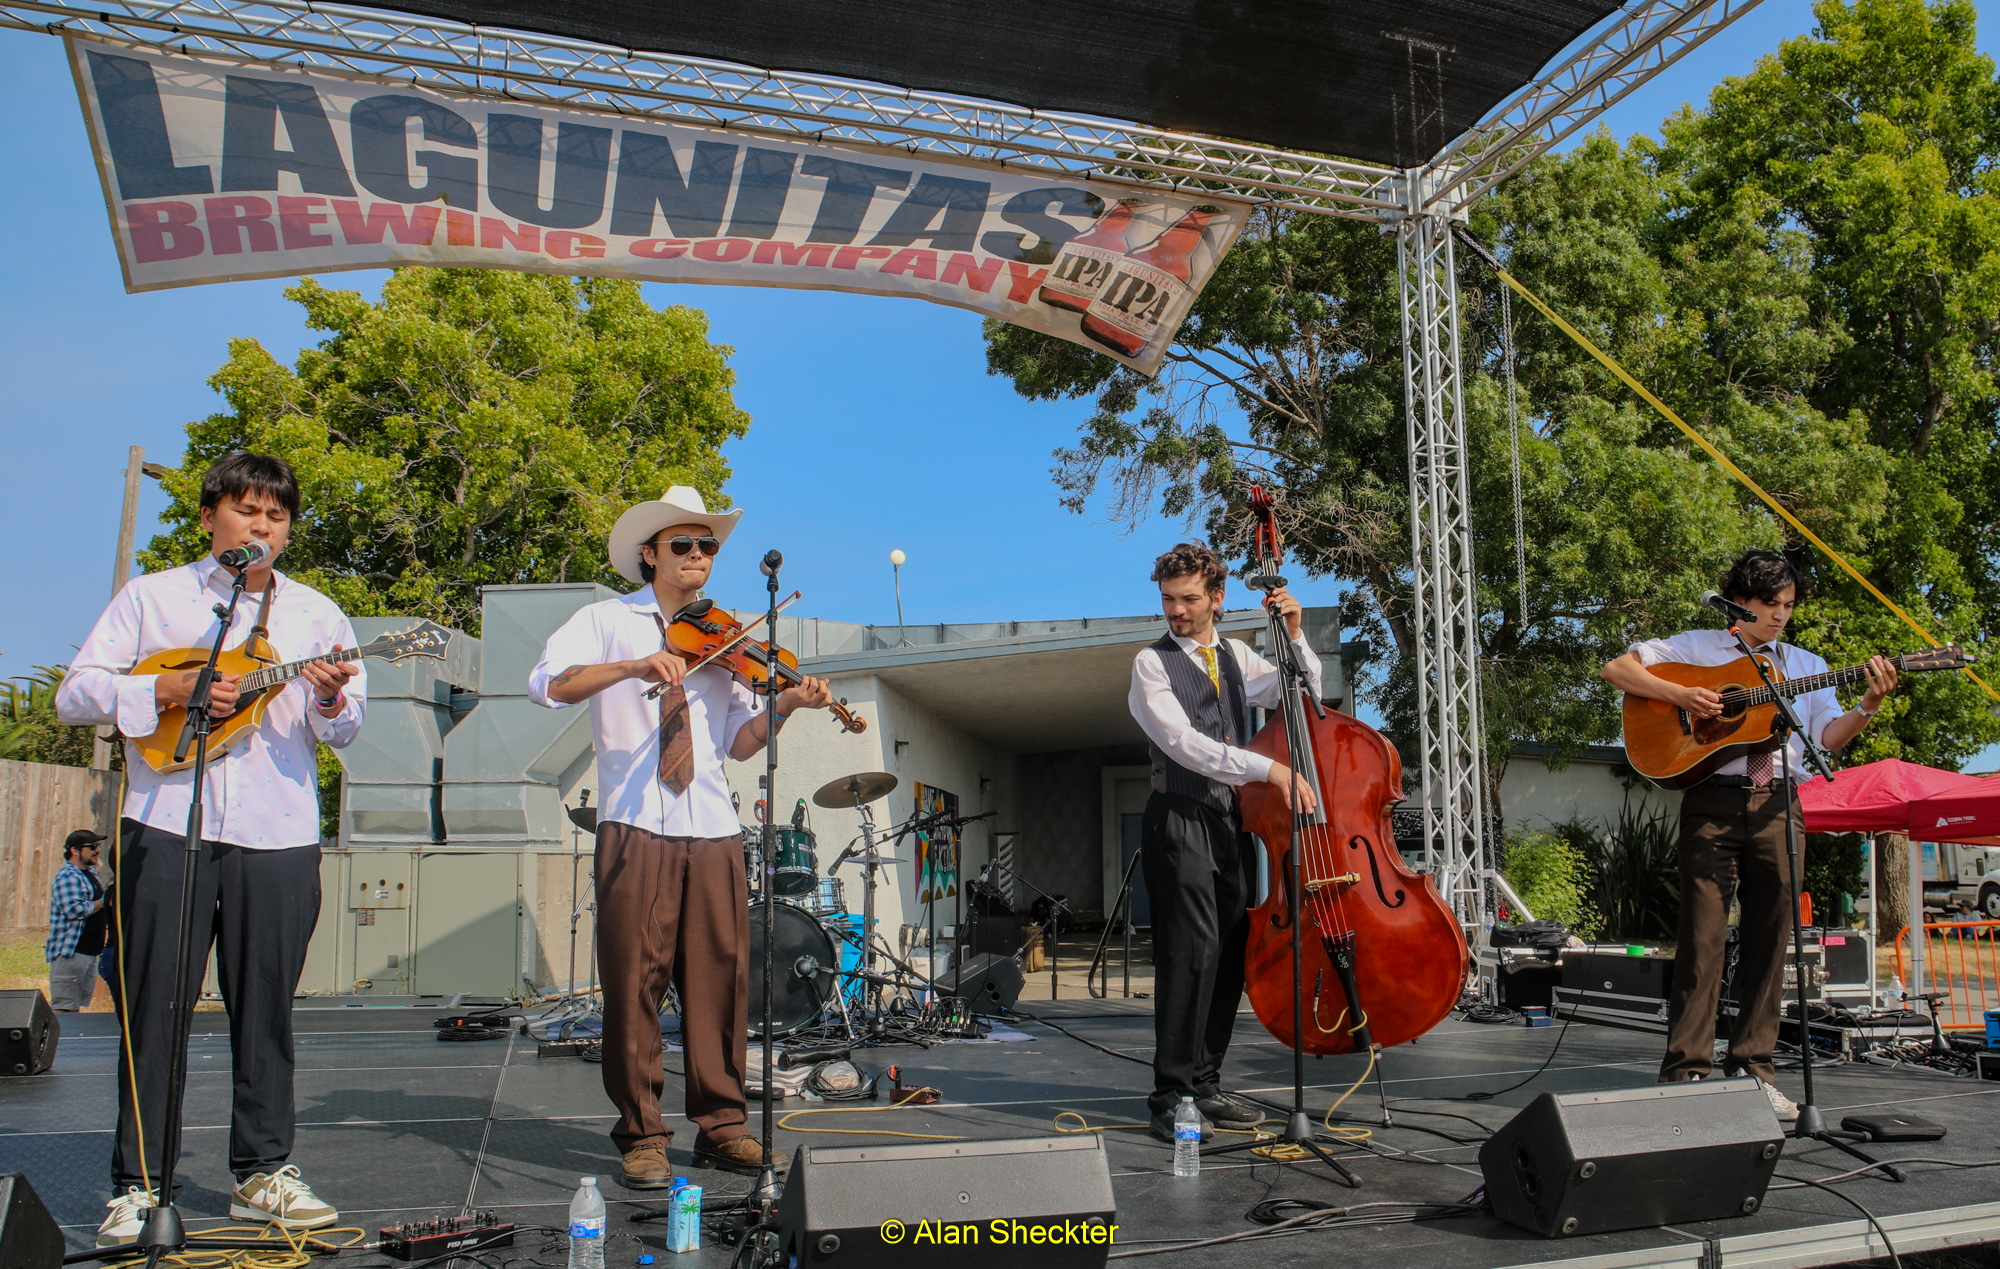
[1962, 962]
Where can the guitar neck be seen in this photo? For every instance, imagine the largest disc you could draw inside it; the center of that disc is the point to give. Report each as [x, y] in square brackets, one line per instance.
[1761, 695]
[272, 675]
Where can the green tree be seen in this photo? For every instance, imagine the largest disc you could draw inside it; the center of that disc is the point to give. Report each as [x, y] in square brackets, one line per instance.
[30, 730]
[1875, 138]
[472, 428]
[1552, 876]
[1289, 371]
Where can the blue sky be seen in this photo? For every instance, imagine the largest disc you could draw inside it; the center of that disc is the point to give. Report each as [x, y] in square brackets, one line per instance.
[874, 423]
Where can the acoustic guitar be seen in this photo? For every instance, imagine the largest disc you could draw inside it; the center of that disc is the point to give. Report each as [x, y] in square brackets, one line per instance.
[1676, 750]
[263, 675]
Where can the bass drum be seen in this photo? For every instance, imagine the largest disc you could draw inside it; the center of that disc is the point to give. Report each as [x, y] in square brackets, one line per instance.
[802, 970]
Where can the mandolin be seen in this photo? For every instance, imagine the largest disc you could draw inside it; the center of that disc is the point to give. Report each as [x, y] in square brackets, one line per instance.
[1676, 750]
[263, 676]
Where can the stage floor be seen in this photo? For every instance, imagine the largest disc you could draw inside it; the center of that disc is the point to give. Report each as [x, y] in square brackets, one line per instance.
[394, 1124]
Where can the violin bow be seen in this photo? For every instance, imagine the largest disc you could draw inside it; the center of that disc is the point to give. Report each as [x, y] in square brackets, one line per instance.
[749, 628]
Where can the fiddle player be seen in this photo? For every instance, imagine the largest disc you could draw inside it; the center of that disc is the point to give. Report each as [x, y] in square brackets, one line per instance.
[672, 903]
[1733, 828]
[1191, 694]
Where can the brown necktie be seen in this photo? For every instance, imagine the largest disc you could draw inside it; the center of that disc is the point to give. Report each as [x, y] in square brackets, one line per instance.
[676, 730]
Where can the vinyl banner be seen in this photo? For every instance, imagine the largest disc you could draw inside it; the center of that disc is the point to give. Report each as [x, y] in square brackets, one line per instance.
[215, 172]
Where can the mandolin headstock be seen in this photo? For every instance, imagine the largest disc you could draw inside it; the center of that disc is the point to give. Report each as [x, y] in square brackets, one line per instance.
[425, 639]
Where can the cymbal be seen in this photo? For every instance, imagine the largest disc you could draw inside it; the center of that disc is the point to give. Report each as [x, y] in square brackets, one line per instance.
[584, 817]
[855, 790]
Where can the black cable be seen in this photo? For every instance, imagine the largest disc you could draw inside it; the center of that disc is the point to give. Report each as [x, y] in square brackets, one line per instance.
[1480, 1097]
[1492, 1013]
[1080, 1040]
[1440, 1114]
[1895, 1262]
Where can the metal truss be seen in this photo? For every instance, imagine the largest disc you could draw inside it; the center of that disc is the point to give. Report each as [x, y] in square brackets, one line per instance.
[1653, 35]
[490, 62]
[1444, 623]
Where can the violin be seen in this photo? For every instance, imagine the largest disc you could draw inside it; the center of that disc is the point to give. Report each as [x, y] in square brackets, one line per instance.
[702, 634]
[1380, 957]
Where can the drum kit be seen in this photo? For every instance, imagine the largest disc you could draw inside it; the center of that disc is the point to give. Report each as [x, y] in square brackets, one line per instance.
[830, 961]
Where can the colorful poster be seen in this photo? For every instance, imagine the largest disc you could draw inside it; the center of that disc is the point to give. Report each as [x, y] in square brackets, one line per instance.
[937, 849]
[216, 171]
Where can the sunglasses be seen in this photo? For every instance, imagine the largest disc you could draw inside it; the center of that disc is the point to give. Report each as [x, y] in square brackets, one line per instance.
[684, 544]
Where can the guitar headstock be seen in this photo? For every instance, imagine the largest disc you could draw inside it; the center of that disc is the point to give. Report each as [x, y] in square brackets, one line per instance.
[425, 639]
[1950, 657]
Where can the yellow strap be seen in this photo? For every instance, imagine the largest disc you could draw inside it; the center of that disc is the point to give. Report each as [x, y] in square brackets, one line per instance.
[1718, 456]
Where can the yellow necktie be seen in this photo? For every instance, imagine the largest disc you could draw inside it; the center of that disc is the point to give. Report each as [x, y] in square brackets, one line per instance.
[1214, 676]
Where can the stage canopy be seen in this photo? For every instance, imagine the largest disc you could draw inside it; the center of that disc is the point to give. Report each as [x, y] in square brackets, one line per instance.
[1384, 84]
[1893, 796]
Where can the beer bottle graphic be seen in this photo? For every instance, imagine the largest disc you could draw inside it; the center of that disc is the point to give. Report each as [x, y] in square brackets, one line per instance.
[1088, 260]
[1150, 289]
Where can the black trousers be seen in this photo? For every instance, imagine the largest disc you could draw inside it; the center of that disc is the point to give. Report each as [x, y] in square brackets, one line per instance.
[1199, 875]
[257, 909]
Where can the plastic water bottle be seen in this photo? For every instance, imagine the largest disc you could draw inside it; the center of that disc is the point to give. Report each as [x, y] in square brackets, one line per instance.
[586, 1227]
[1896, 990]
[1187, 1139]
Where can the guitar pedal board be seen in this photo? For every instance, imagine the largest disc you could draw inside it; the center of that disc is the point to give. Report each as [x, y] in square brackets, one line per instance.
[422, 1240]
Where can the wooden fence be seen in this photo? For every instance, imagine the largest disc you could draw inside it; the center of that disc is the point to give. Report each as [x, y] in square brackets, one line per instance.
[40, 805]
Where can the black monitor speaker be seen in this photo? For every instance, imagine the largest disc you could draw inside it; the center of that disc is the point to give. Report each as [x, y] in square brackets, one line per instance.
[1633, 1158]
[1043, 1202]
[987, 982]
[29, 1236]
[28, 1033]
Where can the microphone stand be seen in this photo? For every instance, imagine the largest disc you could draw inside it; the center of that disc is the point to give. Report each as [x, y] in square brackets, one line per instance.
[1298, 1129]
[1812, 1124]
[1057, 906]
[163, 1233]
[763, 1203]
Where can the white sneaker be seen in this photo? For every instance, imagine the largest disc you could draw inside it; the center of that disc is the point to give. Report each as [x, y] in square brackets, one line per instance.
[282, 1199]
[127, 1218]
[1785, 1108]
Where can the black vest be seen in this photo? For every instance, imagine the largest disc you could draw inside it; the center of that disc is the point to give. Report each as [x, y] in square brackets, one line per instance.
[1226, 719]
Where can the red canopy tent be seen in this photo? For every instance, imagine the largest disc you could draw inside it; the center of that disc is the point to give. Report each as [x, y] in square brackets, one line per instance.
[1893, 796]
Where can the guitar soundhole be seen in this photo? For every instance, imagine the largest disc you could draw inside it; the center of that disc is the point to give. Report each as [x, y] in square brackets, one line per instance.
[1708, 731]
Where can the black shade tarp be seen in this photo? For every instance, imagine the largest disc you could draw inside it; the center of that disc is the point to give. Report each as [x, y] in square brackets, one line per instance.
[1384, 83]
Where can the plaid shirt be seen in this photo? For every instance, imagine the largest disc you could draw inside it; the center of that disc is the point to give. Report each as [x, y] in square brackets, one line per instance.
[69, 907]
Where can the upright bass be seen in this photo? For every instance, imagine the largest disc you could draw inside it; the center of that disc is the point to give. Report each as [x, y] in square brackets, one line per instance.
[1381, 958]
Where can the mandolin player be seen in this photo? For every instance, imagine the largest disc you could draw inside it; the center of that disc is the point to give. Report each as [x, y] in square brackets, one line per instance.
[257, 869]
[1732, 837]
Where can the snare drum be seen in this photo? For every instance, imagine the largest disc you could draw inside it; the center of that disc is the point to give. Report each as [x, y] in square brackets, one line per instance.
[826, 898]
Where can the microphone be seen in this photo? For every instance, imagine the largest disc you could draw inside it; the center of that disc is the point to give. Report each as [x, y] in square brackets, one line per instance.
[250, 553]
[774, 560]
[799, 814]
[1727, 607]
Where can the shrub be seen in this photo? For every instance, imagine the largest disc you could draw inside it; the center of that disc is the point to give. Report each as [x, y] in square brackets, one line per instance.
[1635, 874]
[1553, 879]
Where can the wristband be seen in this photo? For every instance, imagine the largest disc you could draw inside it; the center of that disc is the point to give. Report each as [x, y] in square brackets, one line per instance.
[1865, 713]
[777, 718]
[338, 699]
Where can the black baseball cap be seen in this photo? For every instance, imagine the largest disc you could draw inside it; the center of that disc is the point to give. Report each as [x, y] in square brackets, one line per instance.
[81, 837]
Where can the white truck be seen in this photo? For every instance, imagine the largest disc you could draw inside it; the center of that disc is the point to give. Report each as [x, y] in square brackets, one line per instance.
[1970, 874]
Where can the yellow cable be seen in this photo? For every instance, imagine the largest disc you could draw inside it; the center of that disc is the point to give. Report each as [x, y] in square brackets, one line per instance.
[1087, 1127]
[786, 1122]
[1640, 388]
[298, 1249]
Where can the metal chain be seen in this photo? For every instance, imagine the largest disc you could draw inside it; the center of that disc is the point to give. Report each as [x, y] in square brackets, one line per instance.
[1514, 446]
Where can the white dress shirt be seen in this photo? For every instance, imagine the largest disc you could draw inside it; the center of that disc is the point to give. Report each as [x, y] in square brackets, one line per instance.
[1161, 717]
[1718, 647]
[626, 726]
[263, 794]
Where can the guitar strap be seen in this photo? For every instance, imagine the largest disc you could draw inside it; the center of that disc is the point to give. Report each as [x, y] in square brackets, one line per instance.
[260, 632]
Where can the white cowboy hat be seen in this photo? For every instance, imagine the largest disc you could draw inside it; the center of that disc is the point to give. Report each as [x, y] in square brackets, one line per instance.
[642, 523]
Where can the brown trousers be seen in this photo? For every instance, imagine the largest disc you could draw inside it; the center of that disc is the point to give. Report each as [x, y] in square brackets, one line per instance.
[673, 910]
[1732, 842]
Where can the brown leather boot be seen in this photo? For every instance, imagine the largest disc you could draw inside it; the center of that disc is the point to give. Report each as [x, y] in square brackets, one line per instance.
[743, 1155]
[646, 1168]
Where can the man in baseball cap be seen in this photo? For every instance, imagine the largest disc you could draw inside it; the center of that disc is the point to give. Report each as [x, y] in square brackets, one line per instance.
[76, 924]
